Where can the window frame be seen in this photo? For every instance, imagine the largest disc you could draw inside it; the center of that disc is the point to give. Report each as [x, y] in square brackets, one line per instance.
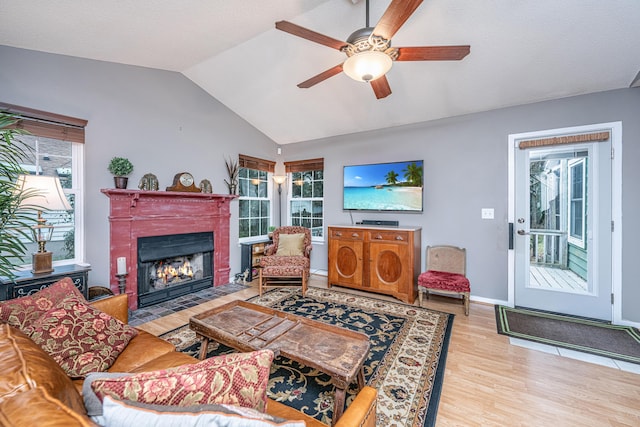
[571, 166]
[262, 166]
[77, 191]
[306, 166]
[44, 124]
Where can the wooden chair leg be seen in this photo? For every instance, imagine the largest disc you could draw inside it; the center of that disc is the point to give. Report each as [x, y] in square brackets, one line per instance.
[466, 303]
[304, 283]
[420, 292]
[260, 278]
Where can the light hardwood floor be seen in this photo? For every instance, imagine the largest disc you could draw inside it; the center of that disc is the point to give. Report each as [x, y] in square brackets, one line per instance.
[489, 382]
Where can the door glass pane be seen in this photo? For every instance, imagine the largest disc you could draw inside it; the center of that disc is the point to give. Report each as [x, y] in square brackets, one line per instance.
[557, 213]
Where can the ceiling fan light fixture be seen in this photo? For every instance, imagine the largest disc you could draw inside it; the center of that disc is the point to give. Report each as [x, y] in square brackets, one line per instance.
[367, 66]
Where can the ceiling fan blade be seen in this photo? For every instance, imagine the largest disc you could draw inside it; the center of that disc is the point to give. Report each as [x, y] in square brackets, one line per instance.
[305, 33]
[321, 77]
[433, 53]
[396, 14]
[381, 87]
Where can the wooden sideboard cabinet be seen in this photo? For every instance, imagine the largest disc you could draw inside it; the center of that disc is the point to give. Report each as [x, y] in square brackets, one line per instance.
[27, 283]
[378, 259]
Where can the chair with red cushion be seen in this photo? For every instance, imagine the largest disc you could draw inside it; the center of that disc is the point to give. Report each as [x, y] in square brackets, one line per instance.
[446, 274]
[287, 260]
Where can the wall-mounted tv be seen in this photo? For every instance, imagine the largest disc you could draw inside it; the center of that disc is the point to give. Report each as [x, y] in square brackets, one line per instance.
[395, 187]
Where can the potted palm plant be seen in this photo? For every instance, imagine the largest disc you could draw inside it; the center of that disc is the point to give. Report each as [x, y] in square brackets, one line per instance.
[120, 167]
[14, 224]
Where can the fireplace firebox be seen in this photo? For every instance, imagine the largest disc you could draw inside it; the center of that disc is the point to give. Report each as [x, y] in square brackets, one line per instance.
[173, 265]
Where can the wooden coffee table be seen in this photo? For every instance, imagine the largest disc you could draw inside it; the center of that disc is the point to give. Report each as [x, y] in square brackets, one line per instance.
[336, 351]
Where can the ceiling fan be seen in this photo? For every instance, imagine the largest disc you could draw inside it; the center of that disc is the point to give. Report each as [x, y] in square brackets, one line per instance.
[369, 52]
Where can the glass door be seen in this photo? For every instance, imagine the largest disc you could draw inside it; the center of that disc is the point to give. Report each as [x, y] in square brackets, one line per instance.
[563, 229]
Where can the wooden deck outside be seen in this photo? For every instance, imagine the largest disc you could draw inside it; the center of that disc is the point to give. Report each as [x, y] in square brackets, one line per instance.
[556, 278]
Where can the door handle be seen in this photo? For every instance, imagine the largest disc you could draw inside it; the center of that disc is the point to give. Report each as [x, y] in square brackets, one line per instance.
[522, 232]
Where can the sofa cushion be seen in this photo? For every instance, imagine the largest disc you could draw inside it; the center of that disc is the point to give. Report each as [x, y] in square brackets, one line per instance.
[291, 245]
[24, 366]
[237, 379]
[22, 312]
[129, 413]
[79, 337]
[36, 407]
[142, 349]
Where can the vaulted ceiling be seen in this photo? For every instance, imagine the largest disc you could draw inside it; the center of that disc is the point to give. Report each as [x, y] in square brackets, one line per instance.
[521, 52]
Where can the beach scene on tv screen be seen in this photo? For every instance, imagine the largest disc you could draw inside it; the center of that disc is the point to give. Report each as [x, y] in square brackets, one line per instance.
[384, 186]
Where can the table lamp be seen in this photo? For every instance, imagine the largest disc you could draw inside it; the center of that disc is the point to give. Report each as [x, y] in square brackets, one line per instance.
[42, 193]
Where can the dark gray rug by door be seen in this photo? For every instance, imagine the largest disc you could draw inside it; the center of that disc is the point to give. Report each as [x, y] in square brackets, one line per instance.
[575, 333]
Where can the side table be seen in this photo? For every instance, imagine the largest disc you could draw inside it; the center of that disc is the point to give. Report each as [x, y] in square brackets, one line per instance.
[26, 283]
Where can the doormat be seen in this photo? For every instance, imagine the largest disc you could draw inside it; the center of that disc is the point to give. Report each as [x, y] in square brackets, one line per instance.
[575, 333]
[405, 364]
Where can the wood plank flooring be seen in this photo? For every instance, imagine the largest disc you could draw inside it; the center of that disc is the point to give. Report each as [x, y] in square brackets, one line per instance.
[489, 382]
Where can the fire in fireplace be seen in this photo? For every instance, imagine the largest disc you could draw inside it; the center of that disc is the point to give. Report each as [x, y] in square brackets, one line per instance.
[173, 265]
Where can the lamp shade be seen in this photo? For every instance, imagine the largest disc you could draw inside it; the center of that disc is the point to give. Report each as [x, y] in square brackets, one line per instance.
[368, 65]
[279, 179]
[42, 193]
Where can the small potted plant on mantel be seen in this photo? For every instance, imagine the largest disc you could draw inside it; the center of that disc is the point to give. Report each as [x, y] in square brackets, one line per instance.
[120, 168]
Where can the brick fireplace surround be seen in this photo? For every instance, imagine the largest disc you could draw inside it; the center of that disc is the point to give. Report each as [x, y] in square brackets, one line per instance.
[135, 214]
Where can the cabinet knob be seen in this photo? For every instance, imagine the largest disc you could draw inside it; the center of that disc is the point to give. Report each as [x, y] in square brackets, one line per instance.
[399, 238]
[378, 237]
[355, 235]
[339, 234]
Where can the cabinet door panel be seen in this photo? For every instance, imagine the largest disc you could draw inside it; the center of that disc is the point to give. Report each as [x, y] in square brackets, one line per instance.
[388, 266]
[346, 262]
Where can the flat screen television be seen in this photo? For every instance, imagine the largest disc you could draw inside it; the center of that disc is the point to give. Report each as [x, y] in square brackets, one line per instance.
[383, 187]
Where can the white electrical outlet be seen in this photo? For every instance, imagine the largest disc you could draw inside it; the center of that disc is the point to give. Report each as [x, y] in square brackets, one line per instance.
[487, 213]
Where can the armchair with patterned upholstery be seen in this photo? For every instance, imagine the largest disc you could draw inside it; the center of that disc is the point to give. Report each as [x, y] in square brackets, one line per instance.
[287, 261]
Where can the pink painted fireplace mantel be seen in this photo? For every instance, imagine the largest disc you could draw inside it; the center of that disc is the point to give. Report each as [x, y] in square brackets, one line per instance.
[135, 213]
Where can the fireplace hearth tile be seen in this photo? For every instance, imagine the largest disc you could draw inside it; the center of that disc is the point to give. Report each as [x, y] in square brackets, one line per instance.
[153, 312]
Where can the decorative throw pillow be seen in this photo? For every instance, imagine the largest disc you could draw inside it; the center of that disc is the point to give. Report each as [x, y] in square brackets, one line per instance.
[237, 379]
[81, 338]
[22, 312]
[92, 404]
[127, 413]
[290, 244]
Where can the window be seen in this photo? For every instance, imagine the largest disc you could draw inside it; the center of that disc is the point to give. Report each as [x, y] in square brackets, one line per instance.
[57, 144]
[577, 201]
[255, 192]
[306, 198]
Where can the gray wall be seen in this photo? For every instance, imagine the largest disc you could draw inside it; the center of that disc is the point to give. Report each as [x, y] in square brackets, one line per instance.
[160, 120]
[165, 124]
[466, 166]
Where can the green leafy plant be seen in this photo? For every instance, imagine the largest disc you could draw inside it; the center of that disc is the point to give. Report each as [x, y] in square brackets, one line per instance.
[119, 166]
[14, 223]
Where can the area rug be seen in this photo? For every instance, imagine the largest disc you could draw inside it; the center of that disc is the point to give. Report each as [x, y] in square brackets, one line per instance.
[405, 364]
[575, 333]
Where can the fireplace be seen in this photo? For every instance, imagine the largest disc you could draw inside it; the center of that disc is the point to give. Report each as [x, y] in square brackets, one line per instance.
[173, 265]
[135, 215]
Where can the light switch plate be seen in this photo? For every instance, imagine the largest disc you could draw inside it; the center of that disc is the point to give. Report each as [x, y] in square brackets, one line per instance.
[487, 213]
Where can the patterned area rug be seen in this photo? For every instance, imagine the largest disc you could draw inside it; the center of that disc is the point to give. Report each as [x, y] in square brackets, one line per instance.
[575, 333]
[405, 364]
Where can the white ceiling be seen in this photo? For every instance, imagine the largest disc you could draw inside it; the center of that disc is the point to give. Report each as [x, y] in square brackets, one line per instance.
[521, 52]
